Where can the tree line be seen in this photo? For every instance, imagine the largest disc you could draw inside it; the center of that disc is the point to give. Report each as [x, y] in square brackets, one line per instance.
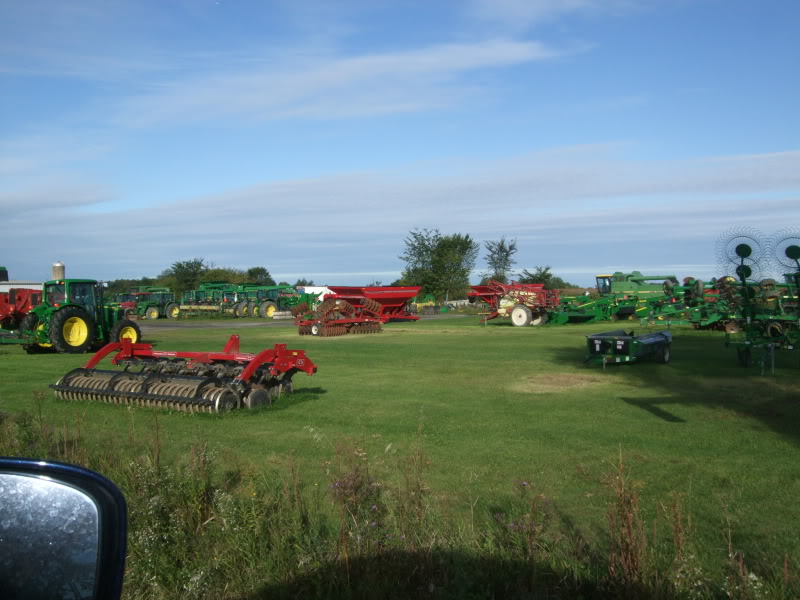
[439, 263]
[442, 263]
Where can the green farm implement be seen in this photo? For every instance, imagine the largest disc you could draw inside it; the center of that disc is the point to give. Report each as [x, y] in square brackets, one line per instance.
[72, 318]
[620, 296]
[616, 347]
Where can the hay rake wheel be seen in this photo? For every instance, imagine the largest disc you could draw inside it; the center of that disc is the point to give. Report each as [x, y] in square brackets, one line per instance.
[785, 246]
[744, 251]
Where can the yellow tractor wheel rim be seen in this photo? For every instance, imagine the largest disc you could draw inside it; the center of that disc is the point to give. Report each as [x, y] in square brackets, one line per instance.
[129, 333]
[75, 331]
[174, 311]
[270, 310]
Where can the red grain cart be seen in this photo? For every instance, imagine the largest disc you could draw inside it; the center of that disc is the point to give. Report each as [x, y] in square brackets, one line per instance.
[391, 301]
[525, 303]
[15, 304]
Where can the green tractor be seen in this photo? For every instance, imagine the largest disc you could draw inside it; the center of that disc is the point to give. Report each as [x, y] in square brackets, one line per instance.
[73, 318]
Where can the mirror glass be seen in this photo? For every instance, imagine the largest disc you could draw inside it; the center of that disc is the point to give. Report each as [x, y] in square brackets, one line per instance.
[49, 537]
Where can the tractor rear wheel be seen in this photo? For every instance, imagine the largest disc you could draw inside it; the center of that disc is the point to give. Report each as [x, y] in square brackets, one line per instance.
[72, 330]
[173, 311]
[521, 315]
[125, 329]
[152, 313]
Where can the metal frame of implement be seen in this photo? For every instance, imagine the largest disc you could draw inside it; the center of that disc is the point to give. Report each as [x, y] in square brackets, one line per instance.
[191, 381]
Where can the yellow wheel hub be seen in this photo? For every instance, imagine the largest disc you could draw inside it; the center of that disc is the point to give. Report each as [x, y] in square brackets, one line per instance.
[174, 311]
[129, 333]
[75, 331]
[270, 310]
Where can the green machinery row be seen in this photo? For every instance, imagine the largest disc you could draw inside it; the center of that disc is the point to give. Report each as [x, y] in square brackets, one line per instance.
[237, 300]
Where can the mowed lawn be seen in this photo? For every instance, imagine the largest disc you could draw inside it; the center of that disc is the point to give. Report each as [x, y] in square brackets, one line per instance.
[491, 406]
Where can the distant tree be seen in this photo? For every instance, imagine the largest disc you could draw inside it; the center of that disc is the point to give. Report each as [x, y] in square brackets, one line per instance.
[259, 275]
[303, 282]
[440, 264]
[184, 274]
[375, 283]
[499, 258]
[226, 274]
[283, 283]
[543, 275]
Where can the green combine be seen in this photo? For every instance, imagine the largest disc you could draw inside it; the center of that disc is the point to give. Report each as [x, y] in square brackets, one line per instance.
[72, 318]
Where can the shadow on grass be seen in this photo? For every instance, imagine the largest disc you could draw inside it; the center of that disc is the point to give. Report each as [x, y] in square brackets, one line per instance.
[426, 574]
[703, 372]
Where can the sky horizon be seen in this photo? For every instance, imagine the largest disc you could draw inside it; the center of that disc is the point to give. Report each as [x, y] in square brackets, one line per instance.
[308, 138]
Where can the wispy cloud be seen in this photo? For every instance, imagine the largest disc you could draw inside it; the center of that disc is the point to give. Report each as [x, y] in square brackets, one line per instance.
[332, 86]
[558, 204]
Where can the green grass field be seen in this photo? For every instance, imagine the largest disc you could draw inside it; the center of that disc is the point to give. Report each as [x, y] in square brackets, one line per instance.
[493, 405]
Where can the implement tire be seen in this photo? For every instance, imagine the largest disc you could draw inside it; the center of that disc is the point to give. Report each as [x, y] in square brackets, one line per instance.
[521, 315]
[125, 329]
[72, 330]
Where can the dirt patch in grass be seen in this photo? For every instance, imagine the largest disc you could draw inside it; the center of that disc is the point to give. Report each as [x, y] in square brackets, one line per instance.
[548, 383]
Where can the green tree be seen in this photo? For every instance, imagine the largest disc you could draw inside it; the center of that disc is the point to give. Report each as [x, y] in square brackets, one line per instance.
[543, 275]
[499, 258]
[226, 274]
[184, 275]
[441, 264]
[303, 282]
[259, 275]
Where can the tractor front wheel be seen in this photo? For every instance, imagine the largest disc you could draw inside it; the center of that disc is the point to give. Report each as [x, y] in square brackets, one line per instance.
[30, 322]
[125, 329]
[521, 315]
[173, 311]
[152, 313]
[72, 330]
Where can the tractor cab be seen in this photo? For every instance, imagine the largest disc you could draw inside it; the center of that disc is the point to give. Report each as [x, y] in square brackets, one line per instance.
[81, 292]
[604, 284]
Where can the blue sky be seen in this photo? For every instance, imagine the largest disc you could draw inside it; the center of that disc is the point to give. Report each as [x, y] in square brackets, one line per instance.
[310, 136]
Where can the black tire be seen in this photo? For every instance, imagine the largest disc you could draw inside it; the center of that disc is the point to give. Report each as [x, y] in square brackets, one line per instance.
[125, 328]
[267, 309]
[72, 330]
[152, 313]
[521, 315]
[663, 354]
[173, 311]
[252, 309]
[745, 357]
[29, 323]
[316, 329]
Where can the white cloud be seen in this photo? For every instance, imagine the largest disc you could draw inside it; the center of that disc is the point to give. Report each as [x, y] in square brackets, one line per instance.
[331, 86]
[562, 206]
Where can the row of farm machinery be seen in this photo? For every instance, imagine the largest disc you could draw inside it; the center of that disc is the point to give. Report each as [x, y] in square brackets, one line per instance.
[759, 315]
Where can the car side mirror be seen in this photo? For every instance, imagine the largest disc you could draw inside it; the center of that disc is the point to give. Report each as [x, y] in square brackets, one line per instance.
[63, 532]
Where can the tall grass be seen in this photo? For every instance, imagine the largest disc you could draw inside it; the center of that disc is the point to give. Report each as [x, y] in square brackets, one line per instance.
[200, 530]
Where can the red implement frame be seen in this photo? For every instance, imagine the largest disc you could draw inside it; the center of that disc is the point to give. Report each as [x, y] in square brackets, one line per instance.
[16, 303]
[392, 300]
[532, 295]
[279, 359]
